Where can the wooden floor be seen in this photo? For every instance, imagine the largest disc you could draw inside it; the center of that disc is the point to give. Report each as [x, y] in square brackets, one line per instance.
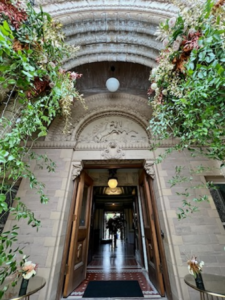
[116, 263]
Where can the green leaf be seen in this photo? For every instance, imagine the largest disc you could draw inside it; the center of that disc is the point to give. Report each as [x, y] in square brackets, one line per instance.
[2, 197]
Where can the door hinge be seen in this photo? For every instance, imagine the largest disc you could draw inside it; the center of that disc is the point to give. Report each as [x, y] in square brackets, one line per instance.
[66, 269]
[160, 268]
[74, 217]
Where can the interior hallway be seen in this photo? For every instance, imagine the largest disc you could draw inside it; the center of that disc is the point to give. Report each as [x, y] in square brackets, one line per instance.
[110, 263]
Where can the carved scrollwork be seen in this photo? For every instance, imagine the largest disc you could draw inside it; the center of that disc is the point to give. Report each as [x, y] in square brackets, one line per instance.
[77, 168]
[148, 166]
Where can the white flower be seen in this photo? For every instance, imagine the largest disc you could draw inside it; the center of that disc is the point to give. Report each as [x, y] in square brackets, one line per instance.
[201, 264]
[172, 22]
[179, 39]
[185, 10]
[154, 86]
[191, 31]
[176, 46]
[165, 42]
[154, 71]
[51, 84]
[51, 64]
[164, 92]
[44, 59]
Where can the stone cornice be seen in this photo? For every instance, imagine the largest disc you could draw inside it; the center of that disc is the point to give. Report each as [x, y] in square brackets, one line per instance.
[52, 145]
[61, 7]
[90, 147]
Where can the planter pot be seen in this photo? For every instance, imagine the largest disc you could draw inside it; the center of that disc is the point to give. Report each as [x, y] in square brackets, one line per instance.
[199, 281]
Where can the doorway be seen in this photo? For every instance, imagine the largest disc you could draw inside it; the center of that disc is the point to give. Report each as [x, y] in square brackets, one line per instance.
[129, 252]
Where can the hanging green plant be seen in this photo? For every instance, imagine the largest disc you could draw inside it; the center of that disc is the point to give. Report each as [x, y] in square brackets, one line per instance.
[187, 89]
[34, 88]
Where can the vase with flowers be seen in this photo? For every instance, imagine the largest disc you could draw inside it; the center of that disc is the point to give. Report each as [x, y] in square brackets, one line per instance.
[195, 269]
[27, 270]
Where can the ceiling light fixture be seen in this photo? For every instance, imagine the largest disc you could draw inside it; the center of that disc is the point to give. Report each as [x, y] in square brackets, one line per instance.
[112, 84]
[112, 180]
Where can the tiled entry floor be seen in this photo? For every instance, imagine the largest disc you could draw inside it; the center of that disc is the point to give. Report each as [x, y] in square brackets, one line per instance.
[116, 264]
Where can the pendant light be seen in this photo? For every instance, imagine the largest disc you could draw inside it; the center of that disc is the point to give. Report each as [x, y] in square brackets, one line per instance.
[112, 180]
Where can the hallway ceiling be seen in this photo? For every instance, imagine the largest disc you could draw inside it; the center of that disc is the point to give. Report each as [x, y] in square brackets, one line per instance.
[133, 78]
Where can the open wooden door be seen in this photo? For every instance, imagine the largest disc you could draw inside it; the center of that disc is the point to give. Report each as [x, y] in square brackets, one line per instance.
[78, 249]
[152, 248]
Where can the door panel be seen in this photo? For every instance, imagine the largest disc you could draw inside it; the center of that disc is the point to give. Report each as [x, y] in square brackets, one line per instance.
[78, 249]
[159, 234]
[137, 233]
[152, 249]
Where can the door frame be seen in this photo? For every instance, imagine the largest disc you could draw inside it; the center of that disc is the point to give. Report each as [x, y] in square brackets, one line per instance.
[113, 165]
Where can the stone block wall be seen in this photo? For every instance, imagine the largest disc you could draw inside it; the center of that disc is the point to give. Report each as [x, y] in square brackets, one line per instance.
[45, 247]
[201, 234]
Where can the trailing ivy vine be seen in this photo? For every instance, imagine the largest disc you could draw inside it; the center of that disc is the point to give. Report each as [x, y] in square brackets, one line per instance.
[187, 89]
[33, 90]
[188, 85]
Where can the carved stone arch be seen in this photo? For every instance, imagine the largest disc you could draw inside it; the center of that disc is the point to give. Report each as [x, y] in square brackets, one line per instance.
[122, 30]
[133, 106]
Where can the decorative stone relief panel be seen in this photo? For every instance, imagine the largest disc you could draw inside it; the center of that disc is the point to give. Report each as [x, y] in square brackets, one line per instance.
[101, 104]
[111, 131]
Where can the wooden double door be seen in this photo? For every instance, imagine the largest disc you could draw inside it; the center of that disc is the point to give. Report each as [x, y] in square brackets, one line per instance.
[80, 228]
[79, 239]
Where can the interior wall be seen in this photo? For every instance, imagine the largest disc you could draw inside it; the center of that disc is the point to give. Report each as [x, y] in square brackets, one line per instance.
[129, 232]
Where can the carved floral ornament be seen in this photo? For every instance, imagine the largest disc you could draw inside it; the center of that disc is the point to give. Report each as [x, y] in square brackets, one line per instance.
[113, 151]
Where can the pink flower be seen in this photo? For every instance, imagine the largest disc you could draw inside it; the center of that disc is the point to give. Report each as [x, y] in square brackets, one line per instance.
[28, 269]
[61, 71]
[74, 75]
[172, 22]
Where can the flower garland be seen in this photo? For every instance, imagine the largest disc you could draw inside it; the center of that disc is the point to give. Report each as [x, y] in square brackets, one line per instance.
[187, 87]
[38, 41]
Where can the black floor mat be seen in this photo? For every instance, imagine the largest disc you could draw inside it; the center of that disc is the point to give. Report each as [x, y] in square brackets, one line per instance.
[115, 288]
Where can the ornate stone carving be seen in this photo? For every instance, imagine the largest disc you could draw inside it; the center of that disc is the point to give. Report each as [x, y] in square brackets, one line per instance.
[100, 105]
[120, 129]
[77, 168]
[107, 29]
[113, 151]
[148, 166]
